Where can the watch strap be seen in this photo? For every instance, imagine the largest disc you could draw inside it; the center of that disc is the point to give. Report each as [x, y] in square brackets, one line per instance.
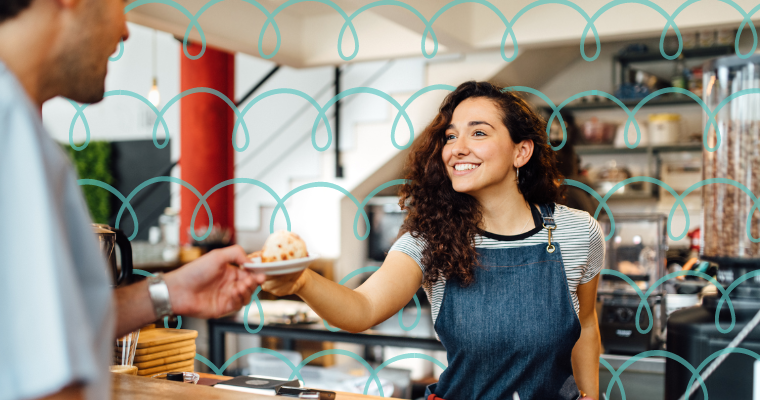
[159, 295]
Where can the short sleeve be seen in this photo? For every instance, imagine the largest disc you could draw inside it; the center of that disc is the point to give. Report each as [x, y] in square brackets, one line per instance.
[596, 250]
[410, 246]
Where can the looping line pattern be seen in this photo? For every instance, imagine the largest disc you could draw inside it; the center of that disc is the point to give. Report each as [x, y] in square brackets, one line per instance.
[402, 112]
[373, 377]
[643, 304]
[400, 312]
[678, 203]
[428, 31]
[166, 319]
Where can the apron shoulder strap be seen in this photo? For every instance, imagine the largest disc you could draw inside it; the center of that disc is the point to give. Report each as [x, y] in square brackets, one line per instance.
[548, 216]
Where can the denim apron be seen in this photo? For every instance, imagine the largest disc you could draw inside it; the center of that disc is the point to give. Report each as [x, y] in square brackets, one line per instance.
[513, 329]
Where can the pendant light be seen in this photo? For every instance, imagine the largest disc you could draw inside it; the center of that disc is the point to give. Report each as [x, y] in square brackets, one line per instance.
[154, 97]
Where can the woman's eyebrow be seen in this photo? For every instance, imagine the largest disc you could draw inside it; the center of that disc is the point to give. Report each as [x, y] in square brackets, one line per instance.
[474, 123]
[471, 123]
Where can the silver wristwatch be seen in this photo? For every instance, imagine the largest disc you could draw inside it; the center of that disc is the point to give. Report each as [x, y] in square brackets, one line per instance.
[159, 295]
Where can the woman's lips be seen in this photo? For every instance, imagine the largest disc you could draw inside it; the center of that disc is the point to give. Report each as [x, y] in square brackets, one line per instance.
[466, 171]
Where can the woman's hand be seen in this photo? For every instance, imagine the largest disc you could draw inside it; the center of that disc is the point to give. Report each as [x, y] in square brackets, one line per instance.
[210, 286]
[284, 285]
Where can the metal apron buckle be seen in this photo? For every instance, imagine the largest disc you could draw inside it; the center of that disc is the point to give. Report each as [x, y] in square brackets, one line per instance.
[548, 218]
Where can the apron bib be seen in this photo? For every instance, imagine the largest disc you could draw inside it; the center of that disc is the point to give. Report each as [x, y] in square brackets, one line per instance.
[512, 330]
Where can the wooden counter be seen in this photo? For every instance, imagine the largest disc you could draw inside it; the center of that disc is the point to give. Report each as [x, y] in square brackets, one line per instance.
[127, 387]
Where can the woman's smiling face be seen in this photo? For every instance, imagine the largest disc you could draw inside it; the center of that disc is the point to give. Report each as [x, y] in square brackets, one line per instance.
[479, 153]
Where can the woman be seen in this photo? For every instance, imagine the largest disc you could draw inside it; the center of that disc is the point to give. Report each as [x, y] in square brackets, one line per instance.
[512, 301]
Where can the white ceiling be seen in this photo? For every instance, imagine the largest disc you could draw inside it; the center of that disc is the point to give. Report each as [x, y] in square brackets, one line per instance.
[310, 29]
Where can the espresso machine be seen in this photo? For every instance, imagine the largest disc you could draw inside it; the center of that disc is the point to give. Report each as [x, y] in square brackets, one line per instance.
[637, 251]
[730, 221]
[109, 239]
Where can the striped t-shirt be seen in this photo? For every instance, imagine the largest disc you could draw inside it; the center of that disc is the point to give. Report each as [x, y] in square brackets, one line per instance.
[580, 239]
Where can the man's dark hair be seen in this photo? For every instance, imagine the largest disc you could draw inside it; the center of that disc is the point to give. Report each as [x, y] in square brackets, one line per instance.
[11, 8]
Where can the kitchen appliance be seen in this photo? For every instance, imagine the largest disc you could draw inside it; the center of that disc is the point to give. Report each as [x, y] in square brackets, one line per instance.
[108, 239]
[692, 333]
[636, 250]
[386, 218]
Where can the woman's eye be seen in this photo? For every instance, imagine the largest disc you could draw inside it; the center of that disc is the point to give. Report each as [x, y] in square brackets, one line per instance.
[479, 133]
[450, 136]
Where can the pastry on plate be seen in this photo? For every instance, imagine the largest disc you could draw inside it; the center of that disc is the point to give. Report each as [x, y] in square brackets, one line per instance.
[283, 245]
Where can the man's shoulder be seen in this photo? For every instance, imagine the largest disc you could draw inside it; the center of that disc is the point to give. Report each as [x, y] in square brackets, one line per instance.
[14, 103]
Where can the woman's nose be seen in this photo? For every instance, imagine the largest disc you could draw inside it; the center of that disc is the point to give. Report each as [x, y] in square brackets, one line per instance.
[460, 148]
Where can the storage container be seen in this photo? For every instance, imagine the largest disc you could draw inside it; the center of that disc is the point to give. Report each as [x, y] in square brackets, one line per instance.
[737, 157]
[664, 128]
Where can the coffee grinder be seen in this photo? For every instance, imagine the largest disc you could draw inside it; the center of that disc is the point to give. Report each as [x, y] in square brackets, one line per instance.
[728, 220]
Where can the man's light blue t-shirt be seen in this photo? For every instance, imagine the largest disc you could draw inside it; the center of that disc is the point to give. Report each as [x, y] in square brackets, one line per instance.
[55, 298]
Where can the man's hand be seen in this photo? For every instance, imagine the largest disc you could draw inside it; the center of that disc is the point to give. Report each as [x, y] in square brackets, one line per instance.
[210, 286]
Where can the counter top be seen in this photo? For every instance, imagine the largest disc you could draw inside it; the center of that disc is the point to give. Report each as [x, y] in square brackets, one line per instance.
[128, 387]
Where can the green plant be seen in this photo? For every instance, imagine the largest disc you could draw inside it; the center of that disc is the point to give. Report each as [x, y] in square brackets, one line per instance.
[94, 162]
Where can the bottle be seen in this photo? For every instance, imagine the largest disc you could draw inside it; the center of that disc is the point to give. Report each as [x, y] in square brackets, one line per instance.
[678, 80]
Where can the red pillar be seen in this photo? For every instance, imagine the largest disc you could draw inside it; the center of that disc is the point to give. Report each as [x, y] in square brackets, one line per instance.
[206, 152]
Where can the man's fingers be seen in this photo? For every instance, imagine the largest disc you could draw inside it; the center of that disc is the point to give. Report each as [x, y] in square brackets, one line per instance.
[232, 255]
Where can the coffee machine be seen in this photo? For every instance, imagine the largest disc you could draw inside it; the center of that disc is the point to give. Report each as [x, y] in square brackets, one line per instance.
[637, 251]
[109, 239]
[730, 221]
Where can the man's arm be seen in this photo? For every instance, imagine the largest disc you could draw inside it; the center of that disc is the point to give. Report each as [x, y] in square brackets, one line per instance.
[587, 349]
[208, 287]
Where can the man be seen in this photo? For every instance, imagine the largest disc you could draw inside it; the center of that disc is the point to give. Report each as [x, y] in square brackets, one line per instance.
[59, 316]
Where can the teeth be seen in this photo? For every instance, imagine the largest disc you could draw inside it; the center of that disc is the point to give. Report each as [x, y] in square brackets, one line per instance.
[464, 167]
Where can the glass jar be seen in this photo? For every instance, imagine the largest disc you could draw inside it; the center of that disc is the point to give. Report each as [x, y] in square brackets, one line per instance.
[737, 157]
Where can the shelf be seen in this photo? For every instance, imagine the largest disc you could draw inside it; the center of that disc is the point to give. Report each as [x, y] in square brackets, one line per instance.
[632, 196]
[659, 101]
[699, 52]
[609, 149]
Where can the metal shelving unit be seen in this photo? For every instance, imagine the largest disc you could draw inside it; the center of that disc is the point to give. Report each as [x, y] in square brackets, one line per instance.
[609, 149]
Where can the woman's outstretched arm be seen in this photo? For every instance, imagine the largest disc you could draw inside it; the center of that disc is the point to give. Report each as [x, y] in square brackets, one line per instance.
[385, 292]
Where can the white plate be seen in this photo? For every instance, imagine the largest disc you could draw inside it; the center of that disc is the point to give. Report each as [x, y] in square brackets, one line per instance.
[280, 267]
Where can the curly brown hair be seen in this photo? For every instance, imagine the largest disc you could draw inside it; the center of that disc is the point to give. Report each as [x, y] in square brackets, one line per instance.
[447, 220]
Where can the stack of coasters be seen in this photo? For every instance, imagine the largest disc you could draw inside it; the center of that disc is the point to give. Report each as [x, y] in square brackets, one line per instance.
[164, 350]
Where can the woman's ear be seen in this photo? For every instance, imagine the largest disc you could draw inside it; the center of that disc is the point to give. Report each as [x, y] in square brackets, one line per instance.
[523, 150]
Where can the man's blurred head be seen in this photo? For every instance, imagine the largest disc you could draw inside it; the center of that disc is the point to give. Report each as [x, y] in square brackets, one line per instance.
[87, 32]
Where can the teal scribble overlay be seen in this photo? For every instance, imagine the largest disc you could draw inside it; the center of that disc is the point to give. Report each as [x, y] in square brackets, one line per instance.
[280, 202]
[361, 211]
[428, 31]
[127, 205]
[166, 319]
[220, 370]
[678, 203]
[728, 350]
[80, 114]
[322, 116]
[360, 206]
[296, 369]
[254, 297]
[400, 312]
[322, 110]
[121, 52]
[373, 372]
[652, 353]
